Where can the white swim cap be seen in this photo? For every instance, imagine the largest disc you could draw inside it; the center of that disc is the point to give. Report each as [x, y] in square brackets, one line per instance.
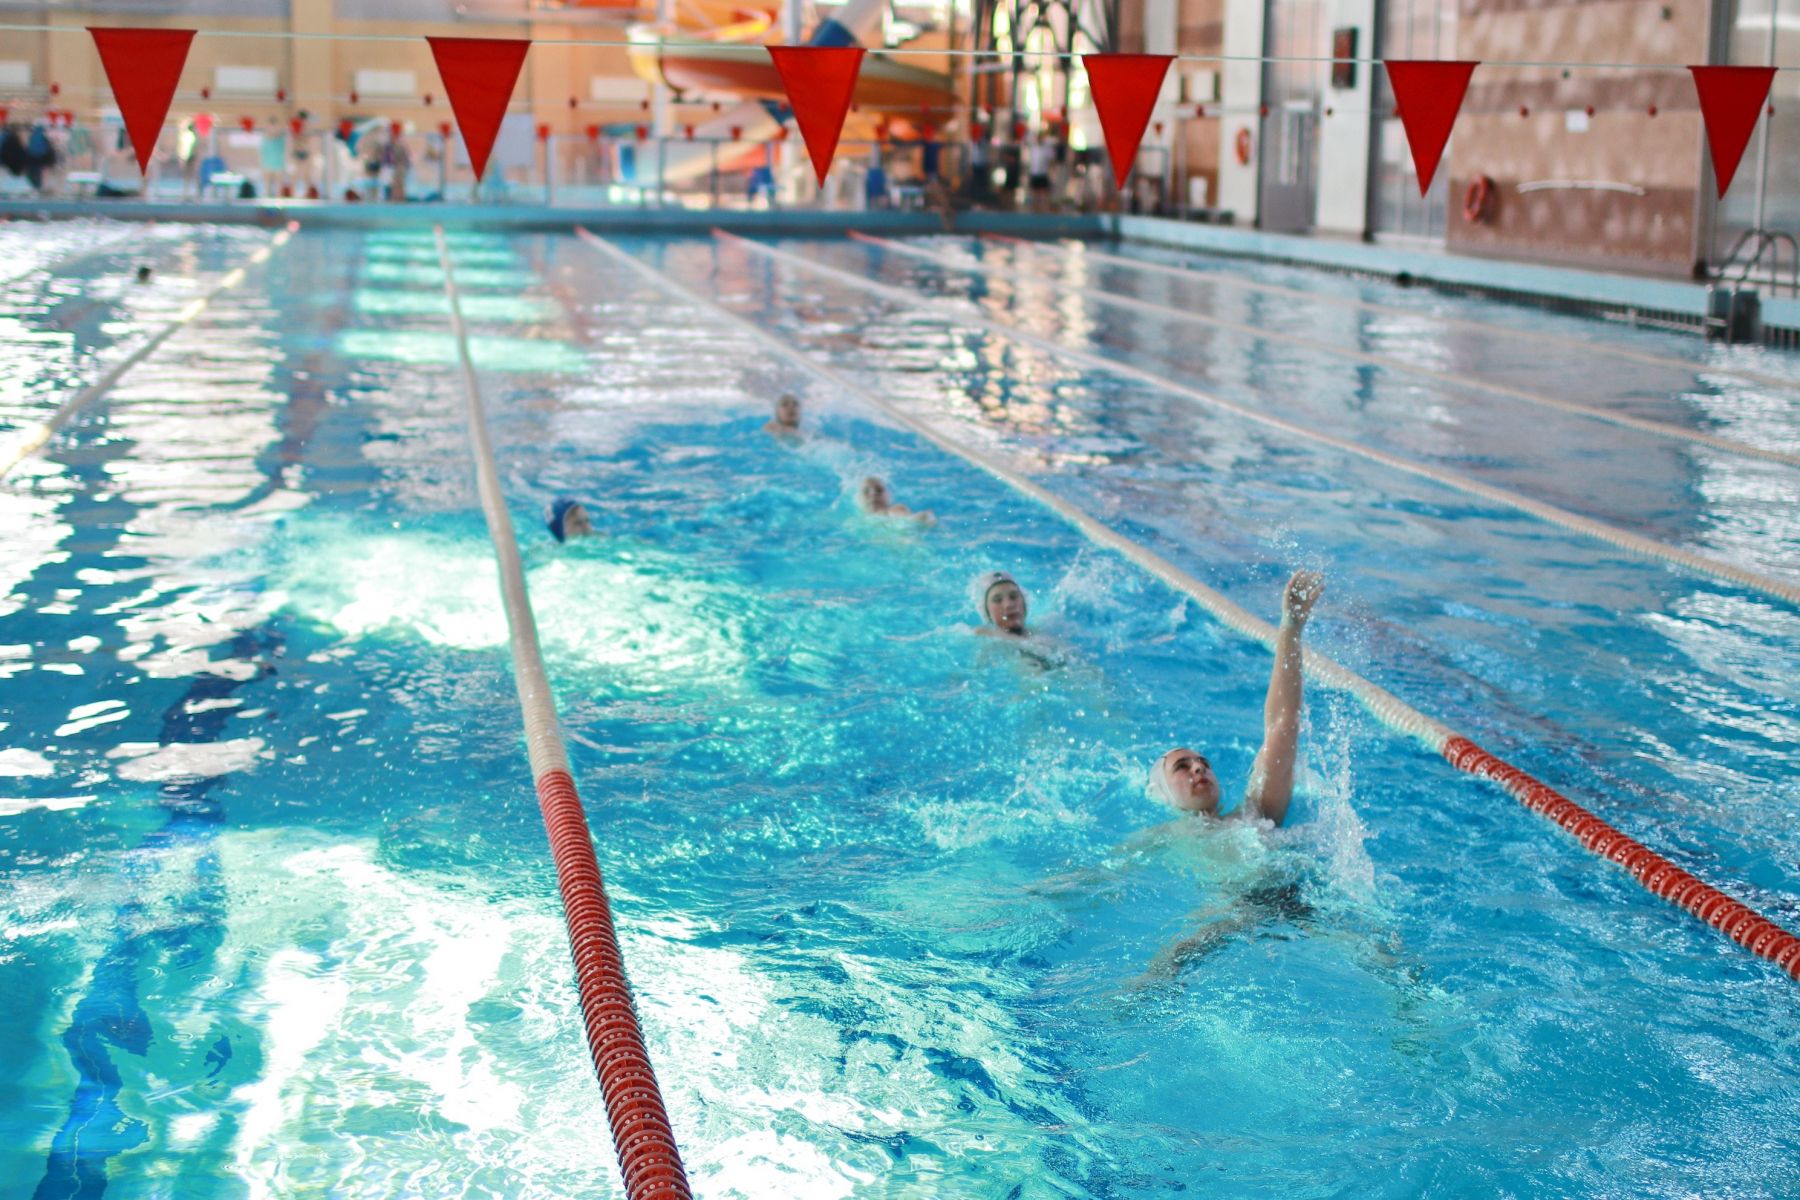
[984, 583]
[1158, 784]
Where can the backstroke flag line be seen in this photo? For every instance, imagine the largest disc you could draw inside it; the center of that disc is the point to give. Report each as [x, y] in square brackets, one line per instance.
[819, 81]
[1429, 95]
[478, 75]
[1731, 100]
[1124, 87]
[143, 66]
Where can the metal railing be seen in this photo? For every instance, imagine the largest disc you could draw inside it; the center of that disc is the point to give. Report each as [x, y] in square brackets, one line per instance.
[365, 161]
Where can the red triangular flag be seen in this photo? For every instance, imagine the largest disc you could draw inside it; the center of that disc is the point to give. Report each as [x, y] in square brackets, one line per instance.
[1428, 95]
[478, 75]
[143, 66]
[1731, 99]
[818, 81]
[1124, 88]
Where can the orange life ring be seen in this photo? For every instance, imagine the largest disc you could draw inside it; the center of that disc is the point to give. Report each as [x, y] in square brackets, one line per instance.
[1243, 146]
[1476, 198]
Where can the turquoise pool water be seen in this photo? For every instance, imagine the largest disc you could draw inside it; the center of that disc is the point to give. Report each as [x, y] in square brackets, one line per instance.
[280, 919]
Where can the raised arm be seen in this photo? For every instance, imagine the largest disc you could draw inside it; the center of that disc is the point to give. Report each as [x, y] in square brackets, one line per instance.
[1272, 775]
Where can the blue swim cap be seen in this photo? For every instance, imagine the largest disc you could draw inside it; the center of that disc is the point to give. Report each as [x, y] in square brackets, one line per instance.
[558, 511]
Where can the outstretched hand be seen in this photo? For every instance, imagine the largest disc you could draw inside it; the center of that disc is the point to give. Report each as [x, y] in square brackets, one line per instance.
[1302, 592]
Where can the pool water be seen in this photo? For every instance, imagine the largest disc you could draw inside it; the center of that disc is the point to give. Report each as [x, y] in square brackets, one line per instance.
[900, 916]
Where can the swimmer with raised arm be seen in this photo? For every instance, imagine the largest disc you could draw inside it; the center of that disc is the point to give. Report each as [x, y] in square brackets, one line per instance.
[567, 518]
[1001, 603]
[877, 502]
[1185, 778]
[786, 421]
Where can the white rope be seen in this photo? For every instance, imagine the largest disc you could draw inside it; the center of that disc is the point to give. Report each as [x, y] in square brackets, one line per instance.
[29, 439]
[1485, 328]
[1393, 712]
[895, 52]
[1169, 312]
[1600, 531]
[543, 741]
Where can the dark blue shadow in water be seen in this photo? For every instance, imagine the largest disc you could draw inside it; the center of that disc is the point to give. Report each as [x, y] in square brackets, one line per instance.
[110, 1017]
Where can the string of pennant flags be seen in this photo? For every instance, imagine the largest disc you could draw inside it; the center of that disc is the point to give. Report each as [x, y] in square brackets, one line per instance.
[143, 67]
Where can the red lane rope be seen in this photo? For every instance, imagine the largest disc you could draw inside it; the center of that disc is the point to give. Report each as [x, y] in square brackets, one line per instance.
[642, 1138]
[648, 1156]
[1737, 921]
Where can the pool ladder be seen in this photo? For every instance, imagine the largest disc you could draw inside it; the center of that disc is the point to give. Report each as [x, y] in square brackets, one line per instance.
[1733, 308]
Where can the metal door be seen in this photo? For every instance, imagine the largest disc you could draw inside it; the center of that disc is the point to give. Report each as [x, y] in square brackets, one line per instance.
[1290, 154]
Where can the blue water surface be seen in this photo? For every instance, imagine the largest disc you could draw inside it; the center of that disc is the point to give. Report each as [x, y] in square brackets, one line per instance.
[901, 917]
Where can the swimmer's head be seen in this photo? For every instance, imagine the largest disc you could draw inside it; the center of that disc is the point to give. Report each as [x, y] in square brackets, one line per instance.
[787, 411]
[143, 274]
[999, 600]
[1185, 779]
[875, 494]
[567, 519]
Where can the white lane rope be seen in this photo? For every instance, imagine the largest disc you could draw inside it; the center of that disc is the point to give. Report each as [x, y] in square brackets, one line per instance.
[543, 741]
[1484, 328]
[1463, 382]
[1598, 530]
[29, 439]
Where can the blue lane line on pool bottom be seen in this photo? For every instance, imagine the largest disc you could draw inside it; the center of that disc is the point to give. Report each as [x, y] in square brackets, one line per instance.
[110, 1015]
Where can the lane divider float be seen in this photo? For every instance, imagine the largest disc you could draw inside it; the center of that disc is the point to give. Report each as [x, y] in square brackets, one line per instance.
[1167, 312]
[1484, 328]
[29, 439]
[648, 1157]
[1598, 530]
[1734, 919]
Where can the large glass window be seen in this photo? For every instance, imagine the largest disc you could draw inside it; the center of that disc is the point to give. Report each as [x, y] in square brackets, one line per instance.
[1766, 191]
[1407, 29]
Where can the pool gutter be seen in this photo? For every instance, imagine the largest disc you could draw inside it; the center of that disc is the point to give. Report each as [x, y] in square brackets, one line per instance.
[525, 218]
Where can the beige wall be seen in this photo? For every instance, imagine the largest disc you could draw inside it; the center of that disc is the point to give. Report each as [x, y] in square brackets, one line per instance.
[1644, 217]
[318, 75]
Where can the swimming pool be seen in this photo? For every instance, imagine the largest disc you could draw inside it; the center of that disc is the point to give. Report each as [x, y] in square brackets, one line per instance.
[280, 917]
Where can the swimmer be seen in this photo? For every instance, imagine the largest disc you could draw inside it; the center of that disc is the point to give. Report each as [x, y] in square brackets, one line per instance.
[1001, 602]
[786, 421]
[567, 518]
[1185, 778]
[877, 501]
[143, 274]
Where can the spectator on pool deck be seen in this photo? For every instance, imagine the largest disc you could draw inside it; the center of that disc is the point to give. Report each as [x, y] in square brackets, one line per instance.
[567, 518]
[1001, 603]
[1042, 157]
[786, 421]
[876, 501]
[1185, 778]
